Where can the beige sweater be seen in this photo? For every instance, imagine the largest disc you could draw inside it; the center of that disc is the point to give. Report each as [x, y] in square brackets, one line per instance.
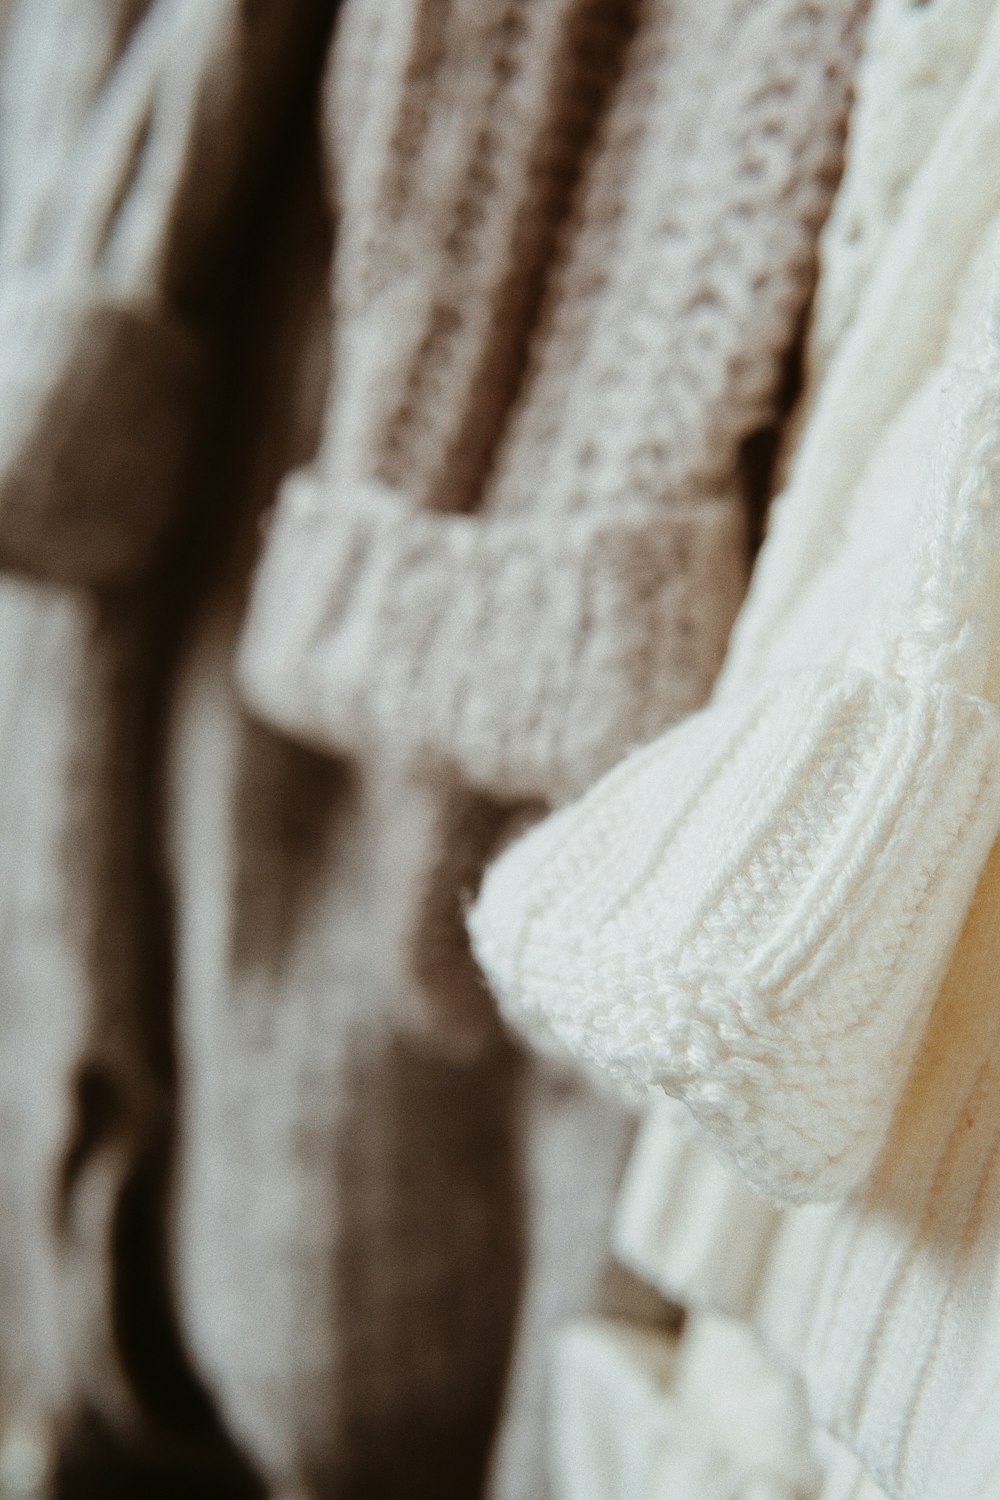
[871, 1318]
[575, 240]
[518, 549]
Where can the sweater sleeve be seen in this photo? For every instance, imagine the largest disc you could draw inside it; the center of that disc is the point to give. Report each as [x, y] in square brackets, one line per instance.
[130, 131]
[522, 545]
[521, 650]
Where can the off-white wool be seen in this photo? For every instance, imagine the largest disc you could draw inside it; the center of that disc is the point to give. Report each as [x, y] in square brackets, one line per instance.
[755, 912]
[130, 143]
[877, 1316]
[574, 245]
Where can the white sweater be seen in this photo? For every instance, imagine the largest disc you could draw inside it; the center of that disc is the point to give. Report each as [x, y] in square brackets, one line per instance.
[862, 1067]
[755, 912]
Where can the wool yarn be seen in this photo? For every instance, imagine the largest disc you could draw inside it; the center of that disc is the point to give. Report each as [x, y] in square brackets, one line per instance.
[755, 912]
[562, 302]
[880, 1309]
[589, 598]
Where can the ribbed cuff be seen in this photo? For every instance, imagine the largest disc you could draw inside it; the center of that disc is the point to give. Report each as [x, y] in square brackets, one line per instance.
[708, 1418]
[527, 654]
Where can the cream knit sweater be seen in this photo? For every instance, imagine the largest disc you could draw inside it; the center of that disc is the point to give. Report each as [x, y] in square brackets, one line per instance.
[881, 1310]
[589, 597]
[755, 912]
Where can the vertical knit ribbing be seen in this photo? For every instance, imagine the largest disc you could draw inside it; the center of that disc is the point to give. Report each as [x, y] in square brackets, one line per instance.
[475, 119]
[768, 946]
[510, 617]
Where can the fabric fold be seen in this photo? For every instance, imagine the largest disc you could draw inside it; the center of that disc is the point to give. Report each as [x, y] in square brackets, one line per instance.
[136, 141]
[755, 913]
[515, 653]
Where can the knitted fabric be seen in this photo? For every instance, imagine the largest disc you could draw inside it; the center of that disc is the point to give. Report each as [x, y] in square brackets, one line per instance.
[465, 581]
[714, 1417]
[883, 1307]
[346, 1216]
[73, 1056]
[756, 912]
[588, 600]
[127, 133]
[573, 1145]
[382, 1182]
[707, 1417]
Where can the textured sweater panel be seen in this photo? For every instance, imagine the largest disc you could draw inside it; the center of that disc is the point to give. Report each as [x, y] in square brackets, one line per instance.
[763, 902]
[133, 137]
[674, 277]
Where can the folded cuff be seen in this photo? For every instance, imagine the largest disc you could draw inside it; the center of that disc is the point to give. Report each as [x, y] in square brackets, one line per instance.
[98, 406]
[709, 1417]
[527, 653]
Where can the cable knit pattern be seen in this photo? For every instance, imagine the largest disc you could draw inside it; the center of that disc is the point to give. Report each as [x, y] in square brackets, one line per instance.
[884, 1306]
[756, 912]
[916, 61]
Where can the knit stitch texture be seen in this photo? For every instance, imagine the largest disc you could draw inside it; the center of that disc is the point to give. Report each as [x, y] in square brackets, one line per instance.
[756, 912]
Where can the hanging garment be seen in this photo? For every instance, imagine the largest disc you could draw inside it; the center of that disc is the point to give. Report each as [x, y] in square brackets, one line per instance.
[519, 549]
[346, 1219]
[132, 138]
[756, 912]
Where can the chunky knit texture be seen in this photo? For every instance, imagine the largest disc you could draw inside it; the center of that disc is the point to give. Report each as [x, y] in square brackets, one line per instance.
[756, 912]
[347, 1212]
[882, 1308]
[885, 1305]
[575, 242]
[130, 137]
